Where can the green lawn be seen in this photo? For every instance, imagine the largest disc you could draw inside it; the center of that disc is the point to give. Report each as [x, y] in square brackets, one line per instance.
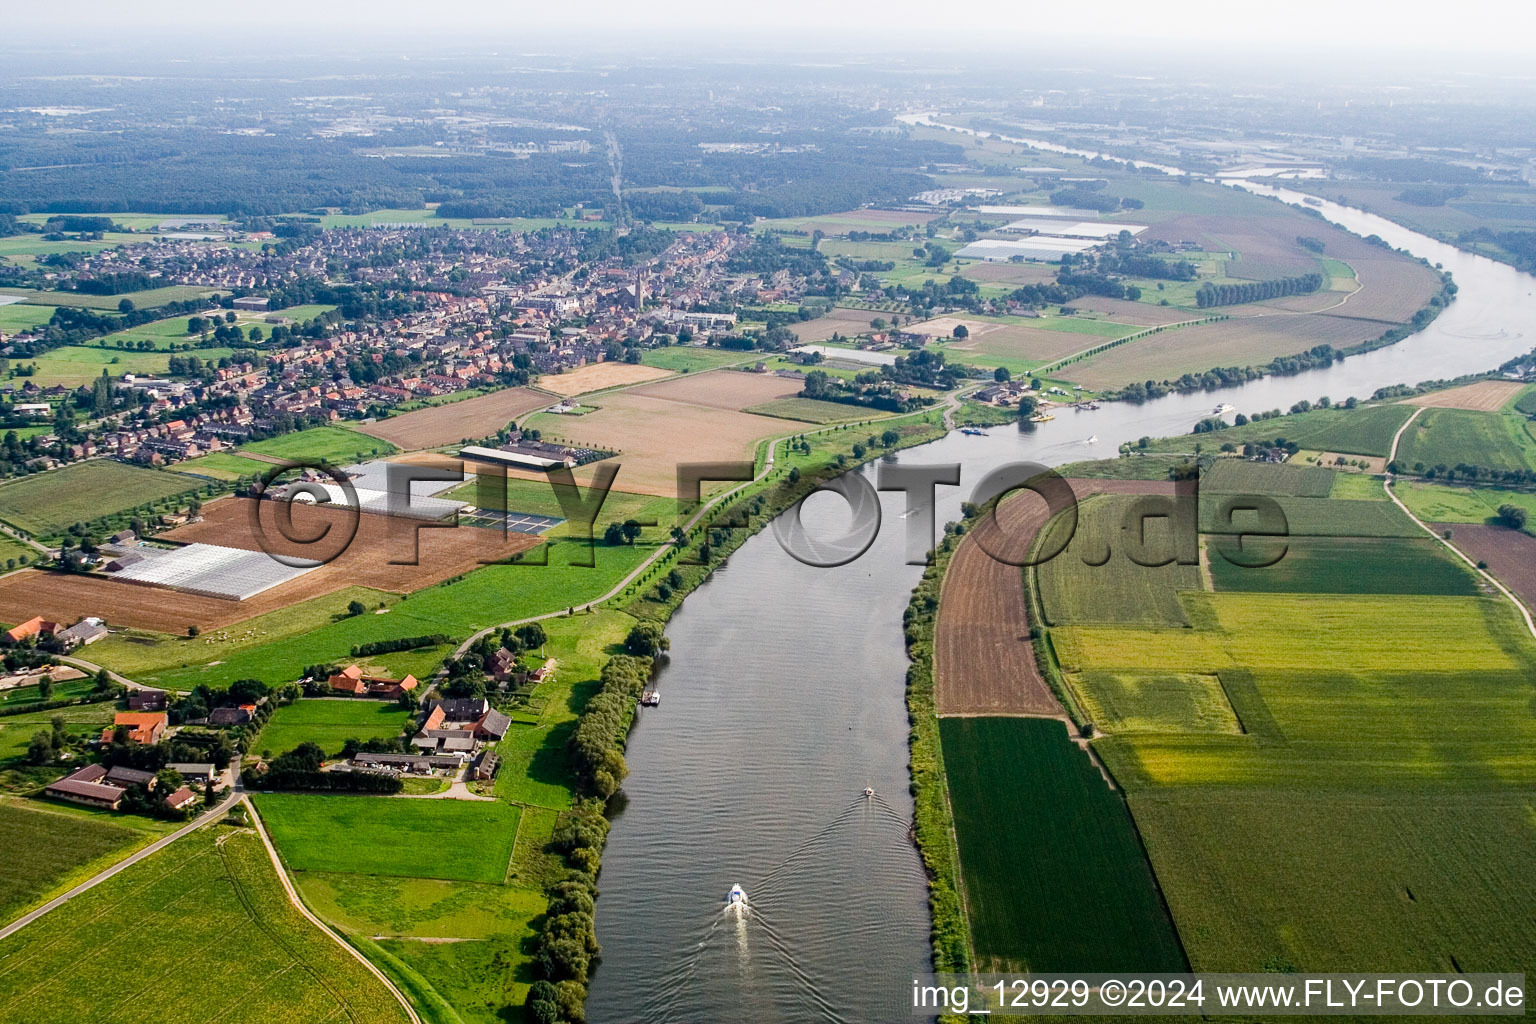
[48, 503]
[81, 721]
[210, 904]
[336, 445]
[379, 835]
[330, 723]
[1055, 879]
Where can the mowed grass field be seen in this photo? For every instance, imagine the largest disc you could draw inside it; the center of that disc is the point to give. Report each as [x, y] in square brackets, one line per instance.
[74, 365]
[330, 723]
[336, 445]
[211, 905]
[47, 503]
[1054, 877]
[1446, 503]
[1450, 437]
[812, 410]
[371, 835]
[21, 316]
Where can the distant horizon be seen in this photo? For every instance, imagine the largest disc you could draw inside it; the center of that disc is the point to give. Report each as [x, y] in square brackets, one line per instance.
[1409, 30]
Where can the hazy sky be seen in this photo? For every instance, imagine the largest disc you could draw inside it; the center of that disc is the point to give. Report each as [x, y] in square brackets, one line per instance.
[1504, 26]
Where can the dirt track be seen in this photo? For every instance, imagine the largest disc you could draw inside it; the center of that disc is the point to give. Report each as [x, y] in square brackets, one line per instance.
[984, 662]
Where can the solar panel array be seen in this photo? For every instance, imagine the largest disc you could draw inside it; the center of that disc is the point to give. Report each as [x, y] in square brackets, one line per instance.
[210, 570]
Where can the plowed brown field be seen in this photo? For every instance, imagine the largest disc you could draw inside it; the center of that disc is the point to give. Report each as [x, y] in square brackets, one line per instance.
[984, 662]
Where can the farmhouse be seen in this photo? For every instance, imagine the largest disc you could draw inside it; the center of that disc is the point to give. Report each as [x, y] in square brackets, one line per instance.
[241, 715]
[118, 775]
[146, 700]
[193, 771]
[35, 626]
[459, 725]
[83, 633]
[422, 764]
[143, 727]
[181, 799]
[352, 681]
[87, 786]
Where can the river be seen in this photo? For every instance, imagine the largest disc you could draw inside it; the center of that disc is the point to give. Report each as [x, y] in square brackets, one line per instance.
[785, 698]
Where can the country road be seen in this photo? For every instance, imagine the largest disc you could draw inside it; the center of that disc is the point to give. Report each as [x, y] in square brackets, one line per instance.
[1391, 481]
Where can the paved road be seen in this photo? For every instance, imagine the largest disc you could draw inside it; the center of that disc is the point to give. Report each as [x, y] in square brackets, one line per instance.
[236, 794]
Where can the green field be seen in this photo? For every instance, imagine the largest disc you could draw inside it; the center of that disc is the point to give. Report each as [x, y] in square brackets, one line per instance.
[148, 299]
[223, 466]
[1239, 476]
[74, 365]
[330, 723]
[689, 359]
[1366, 430]
[811, 410]
[1450, 437]
[1358, 487]
[1131, 702]
[1444, 503]
[1080, 585]
[1055, 879]
[211, 905]
[375, 835]
[1352, 565]
[48, 503]
[1309, 632]
[1310, 517]
[23, 695]
[61, 849]
[1261, 880]
[336, 445]
[17, 316]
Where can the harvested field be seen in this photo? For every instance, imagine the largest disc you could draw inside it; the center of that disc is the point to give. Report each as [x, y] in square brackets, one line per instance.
[983, 660]
[1143, 314]
[1392, 288]
[364, 562]
[445, 424]
[653, 436]
[1484, 396]
[847, 322]
[596, 376]
[1510, 554]
[1037, 344]
[732, 390]
[1240, 341]
[1009, 273]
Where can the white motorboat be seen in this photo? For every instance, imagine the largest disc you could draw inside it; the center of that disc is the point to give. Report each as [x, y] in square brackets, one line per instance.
[736, 898]
[869, 792]
[1092, 440]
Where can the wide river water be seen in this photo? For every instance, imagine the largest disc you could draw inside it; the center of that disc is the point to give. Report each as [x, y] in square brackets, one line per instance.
[785, 698]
